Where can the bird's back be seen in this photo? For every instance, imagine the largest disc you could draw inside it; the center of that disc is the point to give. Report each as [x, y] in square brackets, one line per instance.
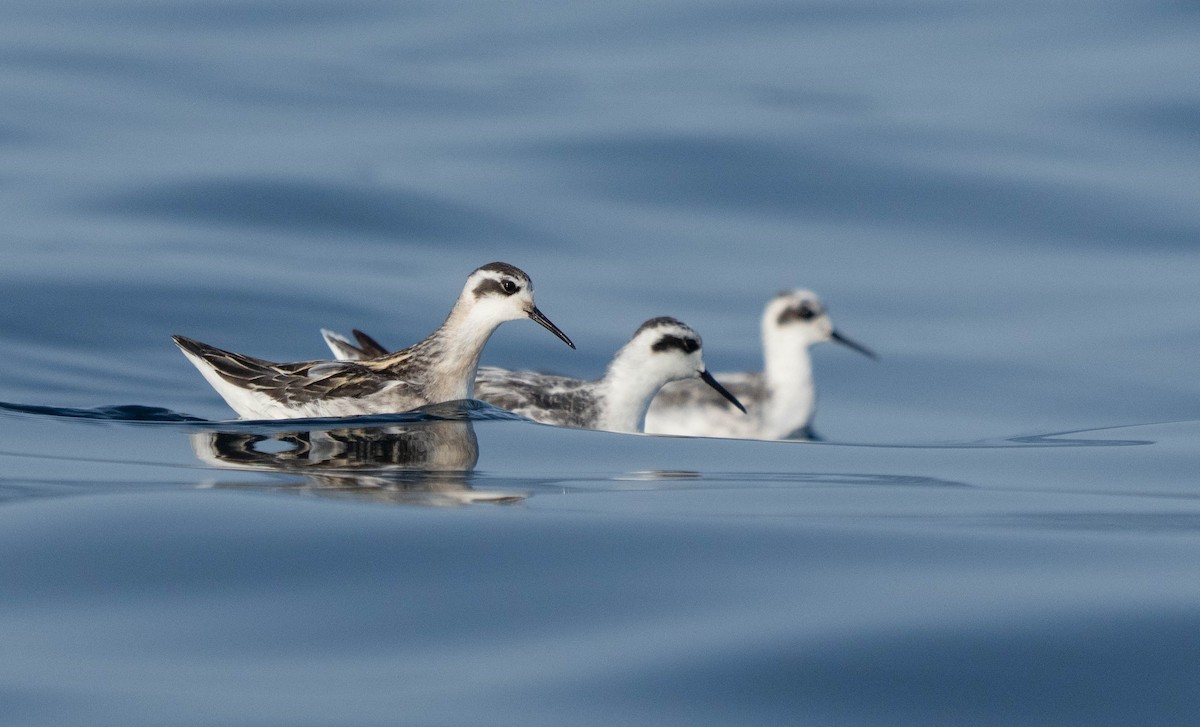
[257, 388]
[545, 398]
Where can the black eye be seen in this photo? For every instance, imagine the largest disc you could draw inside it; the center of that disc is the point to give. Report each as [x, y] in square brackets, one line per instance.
[508, 286]
[802, 312]
[666, 343]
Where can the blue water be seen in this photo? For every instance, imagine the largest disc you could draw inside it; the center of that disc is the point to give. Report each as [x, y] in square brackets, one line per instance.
[1001, 525]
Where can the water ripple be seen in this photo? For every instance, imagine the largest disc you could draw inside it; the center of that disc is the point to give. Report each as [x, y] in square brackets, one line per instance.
[796, 178]
[301, 206]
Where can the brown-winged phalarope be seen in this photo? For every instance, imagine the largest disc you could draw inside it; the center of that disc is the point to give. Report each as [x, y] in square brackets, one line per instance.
[439, 368]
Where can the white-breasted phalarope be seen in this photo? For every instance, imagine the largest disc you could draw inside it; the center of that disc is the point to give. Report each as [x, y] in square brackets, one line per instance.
[439, 368]
[780, 399]
[662, 350]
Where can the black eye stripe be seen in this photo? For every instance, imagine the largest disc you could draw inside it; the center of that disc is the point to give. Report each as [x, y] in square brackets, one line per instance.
[687, 345]
[802, 312]
[496, 287]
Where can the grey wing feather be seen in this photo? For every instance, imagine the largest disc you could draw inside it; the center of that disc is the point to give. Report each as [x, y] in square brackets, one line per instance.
[341, 346]
[288, 382]
[345, 350]
[543, 397]
[369, 346]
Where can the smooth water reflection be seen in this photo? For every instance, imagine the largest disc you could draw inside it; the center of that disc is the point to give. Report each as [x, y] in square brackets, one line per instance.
[449, 447]
[424, 463]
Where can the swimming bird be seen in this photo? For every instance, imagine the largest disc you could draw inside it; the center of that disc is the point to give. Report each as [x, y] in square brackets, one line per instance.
[661, 350]
[439, 368]
[780, 399]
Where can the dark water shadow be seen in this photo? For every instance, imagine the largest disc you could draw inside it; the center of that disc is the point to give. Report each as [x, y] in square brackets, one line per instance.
[447, 446]
[425, 463]
[129, 413]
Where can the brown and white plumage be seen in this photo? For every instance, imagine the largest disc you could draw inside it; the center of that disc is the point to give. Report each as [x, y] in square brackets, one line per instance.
[439, 368]
[660, 351]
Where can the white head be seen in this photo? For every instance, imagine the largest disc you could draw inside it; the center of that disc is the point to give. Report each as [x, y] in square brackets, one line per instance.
[664, 350]
[499, 292]
[796, 319]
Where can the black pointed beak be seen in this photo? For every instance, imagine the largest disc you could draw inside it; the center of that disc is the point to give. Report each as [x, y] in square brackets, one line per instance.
[536, 315]
[708, 379]
[853, 344]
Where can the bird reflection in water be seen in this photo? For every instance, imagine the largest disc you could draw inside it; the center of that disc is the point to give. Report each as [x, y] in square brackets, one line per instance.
[423, 463]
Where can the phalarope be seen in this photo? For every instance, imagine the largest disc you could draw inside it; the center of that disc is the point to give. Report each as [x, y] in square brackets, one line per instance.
[439, 368]
[662, 350]
[780, 398]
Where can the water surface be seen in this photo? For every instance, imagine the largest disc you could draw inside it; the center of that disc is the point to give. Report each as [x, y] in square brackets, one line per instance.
[1000, 526]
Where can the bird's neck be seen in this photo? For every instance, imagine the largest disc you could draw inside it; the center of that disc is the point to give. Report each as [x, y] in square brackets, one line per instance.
[628, 389]
[451, 354]
[787, 374]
